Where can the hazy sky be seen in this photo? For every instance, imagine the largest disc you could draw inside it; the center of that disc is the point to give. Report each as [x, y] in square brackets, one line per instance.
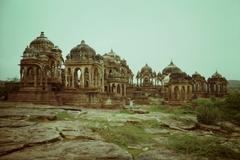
[199, 35]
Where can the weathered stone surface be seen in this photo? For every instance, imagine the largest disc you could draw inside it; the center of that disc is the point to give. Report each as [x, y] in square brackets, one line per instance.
[72, 150]
[138, 111]
[24, 134]
[161, 154]
[12, 139]
[6, 122]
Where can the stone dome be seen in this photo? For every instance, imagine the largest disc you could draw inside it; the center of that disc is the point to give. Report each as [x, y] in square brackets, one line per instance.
[196, 74]
[216, 75]
[171, 68]
[82, 51]
[41, 43]
[146, 68]
[112, 57]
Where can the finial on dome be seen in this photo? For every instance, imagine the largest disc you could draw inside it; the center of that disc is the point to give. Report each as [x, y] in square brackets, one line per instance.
[42, 34]
[171, 63]
[111, 50]
[82, 42]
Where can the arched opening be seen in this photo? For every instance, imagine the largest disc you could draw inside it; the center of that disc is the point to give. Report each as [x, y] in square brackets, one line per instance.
[69, 75]
[176, 93]
[30, 73]
[22, 73]
[39, 75]
[146, 80]
[86, 78]
[78, 77]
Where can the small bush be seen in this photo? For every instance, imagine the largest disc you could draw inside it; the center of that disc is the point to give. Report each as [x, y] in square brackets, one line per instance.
[201, 146]
[208, 115]
[233, 100]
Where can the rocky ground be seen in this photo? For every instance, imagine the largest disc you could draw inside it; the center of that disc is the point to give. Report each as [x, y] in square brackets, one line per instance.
[151, 132]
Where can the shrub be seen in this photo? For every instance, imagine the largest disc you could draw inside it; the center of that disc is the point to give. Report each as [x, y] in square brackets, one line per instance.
[202, 146]
[233, 100]
[208, 114]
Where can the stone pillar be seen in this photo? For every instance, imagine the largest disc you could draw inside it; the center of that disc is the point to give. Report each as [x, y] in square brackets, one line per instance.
[125, 90]
[186, 92]
[172, 93]
[35, 77]
[73, 78]
[110, 88]
[83, 80]
[46, 85]
[90, 76]
[41, 77]
[66, 79]
[21, 76]
[120, 87]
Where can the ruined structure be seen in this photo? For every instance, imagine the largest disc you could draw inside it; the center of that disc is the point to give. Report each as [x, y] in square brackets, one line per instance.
[86, 78]
[177, 85]
[217, 85]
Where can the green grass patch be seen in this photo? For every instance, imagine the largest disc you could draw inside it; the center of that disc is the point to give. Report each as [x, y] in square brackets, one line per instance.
[202, 102]
[202, 146]
[187, 109]
[64, 115]
[125, 111]
[125, 136]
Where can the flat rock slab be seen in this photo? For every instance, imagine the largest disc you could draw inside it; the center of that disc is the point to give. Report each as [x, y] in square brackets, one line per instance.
[12, 139]
[13, 123]
[162, 154]
[71, 150]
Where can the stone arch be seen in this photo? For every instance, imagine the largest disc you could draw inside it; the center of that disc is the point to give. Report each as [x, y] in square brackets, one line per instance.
[146, 80]
[30, 73]
[189, 92]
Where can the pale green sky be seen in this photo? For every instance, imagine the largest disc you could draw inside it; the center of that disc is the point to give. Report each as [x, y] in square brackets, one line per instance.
[199, 35]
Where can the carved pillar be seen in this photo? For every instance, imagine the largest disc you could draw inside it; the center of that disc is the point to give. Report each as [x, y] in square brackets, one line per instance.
[121, 91]
[66, 80]
[109, 88]
[46, 81]
[35, 77]
[125, 88]
[186, 92]
[172, 93]
[90, 76]
[83, 79]
[41, 77]
[73, 78]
